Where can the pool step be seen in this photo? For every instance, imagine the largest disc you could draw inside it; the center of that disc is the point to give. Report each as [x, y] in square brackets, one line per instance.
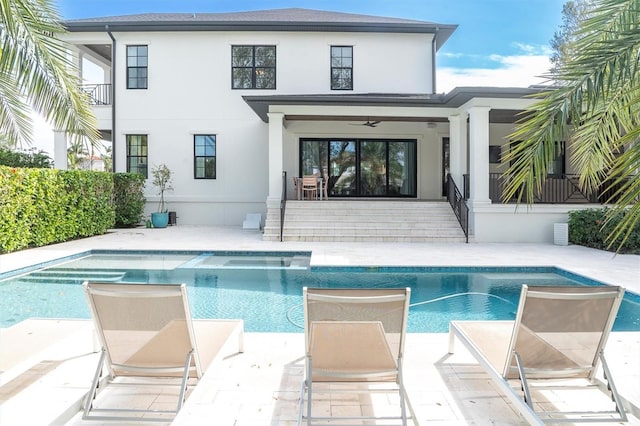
[71, 276]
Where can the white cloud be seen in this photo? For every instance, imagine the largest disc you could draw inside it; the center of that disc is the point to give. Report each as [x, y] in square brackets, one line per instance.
[513, 71]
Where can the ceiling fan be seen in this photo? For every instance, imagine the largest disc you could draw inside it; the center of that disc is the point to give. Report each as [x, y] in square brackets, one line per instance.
[368, 123]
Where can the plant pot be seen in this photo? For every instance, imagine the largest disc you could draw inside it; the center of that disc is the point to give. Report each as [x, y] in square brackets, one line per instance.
[160, 220]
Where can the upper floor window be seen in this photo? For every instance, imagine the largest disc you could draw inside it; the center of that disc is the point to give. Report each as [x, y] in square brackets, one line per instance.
[341, 67]
[137, 154]
[253, 67]
[205, 156]
[137, 63]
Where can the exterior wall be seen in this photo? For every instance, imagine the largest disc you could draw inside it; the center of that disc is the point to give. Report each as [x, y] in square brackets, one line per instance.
[523, 224]
[189, 92]
[498, 136]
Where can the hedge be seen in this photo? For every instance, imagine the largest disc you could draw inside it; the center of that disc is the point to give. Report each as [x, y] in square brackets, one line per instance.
[589, 228]
[129, 199]
[45, 206]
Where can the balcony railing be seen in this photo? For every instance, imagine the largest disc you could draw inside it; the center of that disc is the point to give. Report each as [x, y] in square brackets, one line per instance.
[99, 94]
[556, 189]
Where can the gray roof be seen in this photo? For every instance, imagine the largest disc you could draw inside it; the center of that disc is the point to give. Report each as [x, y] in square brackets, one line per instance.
[455, 98]
[293, 19]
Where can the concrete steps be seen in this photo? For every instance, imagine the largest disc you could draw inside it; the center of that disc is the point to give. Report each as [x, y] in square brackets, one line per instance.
[365, 221]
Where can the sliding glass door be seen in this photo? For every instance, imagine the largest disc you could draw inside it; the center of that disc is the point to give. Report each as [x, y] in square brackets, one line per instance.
[362, 167]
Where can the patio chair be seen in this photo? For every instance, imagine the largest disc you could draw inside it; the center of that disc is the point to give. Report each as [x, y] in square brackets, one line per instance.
[354, 339]
[146, 333]
[310, 186]
[559, 335]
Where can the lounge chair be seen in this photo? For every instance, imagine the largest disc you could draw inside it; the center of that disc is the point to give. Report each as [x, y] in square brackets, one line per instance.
[146, 331]
[559, 334]
[354, 337]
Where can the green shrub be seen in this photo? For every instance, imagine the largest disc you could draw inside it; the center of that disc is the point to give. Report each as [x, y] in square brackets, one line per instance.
[30, 158]
[590, 228]
[128, 198]
[45, 206]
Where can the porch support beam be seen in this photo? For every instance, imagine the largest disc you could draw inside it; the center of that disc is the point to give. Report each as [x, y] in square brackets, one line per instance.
[479, 155]
[276, 142]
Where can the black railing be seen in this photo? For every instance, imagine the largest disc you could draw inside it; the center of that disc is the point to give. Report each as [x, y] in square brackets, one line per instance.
[556, 189]
[99, 94]
[466, 186]
[283, 202]
[459, 206]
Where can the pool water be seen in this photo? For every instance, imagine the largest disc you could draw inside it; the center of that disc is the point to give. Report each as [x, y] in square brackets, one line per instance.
[266, 290]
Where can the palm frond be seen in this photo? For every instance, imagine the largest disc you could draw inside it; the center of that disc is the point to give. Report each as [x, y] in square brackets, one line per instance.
[40, 65]
[596, 107]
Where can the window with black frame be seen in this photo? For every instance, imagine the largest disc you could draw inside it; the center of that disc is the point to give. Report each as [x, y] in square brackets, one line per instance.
[362, 167]
[137, 154]
[204, 156]
[253, 67]
[137, 66]
[341, 67]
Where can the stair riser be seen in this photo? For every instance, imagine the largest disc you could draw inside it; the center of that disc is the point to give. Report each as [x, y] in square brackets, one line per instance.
[365, 221]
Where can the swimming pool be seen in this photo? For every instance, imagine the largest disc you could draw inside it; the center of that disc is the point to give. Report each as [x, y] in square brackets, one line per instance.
[265, 289]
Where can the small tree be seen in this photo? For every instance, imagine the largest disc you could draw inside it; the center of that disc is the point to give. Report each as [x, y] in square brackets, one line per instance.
[162, 179]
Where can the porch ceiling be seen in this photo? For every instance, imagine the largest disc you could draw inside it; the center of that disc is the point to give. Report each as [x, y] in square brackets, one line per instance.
[294, 117]
[102, 50]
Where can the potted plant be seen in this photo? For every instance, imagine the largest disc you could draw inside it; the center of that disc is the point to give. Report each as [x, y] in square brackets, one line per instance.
[162, 180]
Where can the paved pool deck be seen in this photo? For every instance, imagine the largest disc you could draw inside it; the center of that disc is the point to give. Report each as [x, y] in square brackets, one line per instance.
[53, 360]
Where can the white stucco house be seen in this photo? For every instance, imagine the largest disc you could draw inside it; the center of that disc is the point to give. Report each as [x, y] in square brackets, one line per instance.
[230, 101]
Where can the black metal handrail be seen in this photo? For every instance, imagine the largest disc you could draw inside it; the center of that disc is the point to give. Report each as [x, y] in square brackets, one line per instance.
[283, 202]
[99, 94]
[459, 206]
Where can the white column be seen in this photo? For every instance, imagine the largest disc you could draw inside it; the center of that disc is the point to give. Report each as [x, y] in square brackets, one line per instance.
[106, 71]
[479, 155]
[455, 143]
[77, 60]
[276, 142]
[60, 150]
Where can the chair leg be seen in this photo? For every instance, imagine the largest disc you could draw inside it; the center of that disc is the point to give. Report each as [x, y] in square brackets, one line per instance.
[523, 381]
[309, 381]
[403, 408]
[88, 405]
[185, 380]
[612, 387]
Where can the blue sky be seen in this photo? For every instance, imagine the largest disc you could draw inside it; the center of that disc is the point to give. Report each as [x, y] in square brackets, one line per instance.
[497, 43]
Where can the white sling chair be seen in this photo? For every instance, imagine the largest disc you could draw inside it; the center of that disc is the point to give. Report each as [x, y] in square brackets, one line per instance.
[559, 333]
[354, 337]
[146, 330]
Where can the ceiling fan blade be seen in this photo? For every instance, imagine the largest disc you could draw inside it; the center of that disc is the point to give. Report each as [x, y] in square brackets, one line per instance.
[367, 123]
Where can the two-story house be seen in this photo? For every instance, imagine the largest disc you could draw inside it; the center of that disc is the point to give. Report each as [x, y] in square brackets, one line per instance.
[230, 101]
